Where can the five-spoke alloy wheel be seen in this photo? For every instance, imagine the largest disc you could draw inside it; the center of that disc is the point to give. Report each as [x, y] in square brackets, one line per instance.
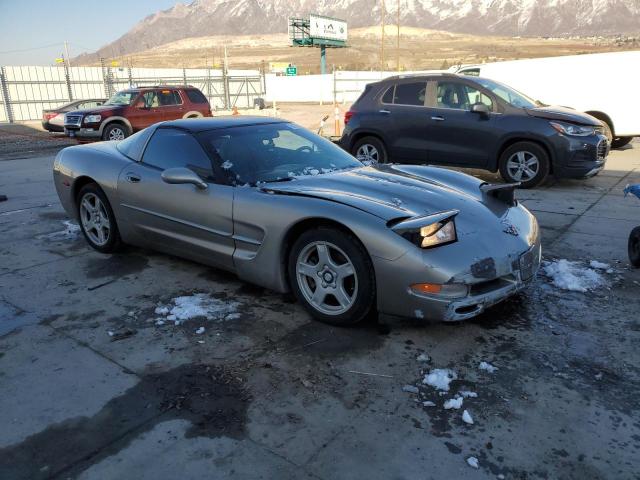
[332, 276]
[524, 162]
[370, 150]
[96, 218]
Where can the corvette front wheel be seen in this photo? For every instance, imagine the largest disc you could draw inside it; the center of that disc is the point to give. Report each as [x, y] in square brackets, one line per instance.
[332, 276]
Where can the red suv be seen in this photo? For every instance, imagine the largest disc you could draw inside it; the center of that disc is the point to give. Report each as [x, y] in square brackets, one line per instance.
[131, 110]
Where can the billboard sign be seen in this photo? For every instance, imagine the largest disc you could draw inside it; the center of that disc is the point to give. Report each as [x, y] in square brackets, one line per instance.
[327, 28]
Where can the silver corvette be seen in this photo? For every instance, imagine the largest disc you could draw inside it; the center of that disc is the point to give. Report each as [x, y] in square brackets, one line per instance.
[288, 210]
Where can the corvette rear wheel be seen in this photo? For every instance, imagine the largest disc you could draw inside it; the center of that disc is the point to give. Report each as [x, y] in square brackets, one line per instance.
[97, 222]
[332, 276]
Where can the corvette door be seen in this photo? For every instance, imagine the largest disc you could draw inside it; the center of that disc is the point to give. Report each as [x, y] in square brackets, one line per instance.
[180, 219]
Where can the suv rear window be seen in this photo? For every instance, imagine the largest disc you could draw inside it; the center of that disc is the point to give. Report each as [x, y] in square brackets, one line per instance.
[196, 96]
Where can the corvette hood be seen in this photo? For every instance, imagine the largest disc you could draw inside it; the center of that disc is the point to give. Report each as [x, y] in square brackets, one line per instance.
[392, 192]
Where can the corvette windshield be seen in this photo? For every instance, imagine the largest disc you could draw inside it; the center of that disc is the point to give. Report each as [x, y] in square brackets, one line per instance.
[275, 152]
[508, 94]
[122, 98]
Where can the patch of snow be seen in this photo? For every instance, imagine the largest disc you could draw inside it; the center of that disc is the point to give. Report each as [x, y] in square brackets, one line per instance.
[428, 403]
[227, 165]
[440, 378]
[161, 311]
[487, 367]
[468, 394]
[473, 462]
[70, 232]
[423, 357]
[410, 389]
[204, 305]
[467, 418]
[572, 276]
[159, 322]
[595, 264]
[396, 201]
[455, 403]
[418, 314]
[200, 331]
[110, 333]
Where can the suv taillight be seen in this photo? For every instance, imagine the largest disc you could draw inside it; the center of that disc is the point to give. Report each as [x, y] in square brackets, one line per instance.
[347, 116]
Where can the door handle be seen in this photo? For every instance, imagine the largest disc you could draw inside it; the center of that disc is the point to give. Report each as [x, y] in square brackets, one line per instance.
[386, 112]
[132, 178]
[438, 118]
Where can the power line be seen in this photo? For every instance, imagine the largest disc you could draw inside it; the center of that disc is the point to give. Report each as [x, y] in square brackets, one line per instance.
[33, 48]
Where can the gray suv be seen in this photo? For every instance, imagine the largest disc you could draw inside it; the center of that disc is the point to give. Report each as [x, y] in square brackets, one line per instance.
[475, 122]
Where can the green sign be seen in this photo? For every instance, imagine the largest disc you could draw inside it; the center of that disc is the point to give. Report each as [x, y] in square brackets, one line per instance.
[292, 71]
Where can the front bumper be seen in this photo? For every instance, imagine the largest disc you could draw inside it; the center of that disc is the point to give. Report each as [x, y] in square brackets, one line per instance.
[581, 157]
[483, 293]
[76, 132]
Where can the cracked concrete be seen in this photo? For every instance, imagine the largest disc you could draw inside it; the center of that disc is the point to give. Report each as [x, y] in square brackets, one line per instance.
[273, 394]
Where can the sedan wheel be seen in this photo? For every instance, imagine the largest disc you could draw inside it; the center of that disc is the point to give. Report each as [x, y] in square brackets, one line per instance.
[367, 153]
[326, 278]
[331, 274]
[523, 166]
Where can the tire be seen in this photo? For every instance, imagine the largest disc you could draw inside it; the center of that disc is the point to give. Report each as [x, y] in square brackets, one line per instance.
[329, 256]
[96, 219]
[634, 247]
[370, 149]
[115, 131]
[619, 142]
[521, 154]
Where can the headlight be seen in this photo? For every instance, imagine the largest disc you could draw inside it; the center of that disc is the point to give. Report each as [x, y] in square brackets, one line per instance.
[573, 130]
[92, 118]
[429, 231]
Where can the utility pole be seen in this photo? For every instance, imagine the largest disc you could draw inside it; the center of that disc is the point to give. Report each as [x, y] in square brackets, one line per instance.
[66, 53]
[398, 38]
[382, 12]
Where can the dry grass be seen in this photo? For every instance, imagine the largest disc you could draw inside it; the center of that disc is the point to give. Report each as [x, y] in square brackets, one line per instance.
[419, 49]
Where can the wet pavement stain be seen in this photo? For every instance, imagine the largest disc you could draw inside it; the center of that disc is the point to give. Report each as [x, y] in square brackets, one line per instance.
[318, 339]
[117, 265]
[212, 398]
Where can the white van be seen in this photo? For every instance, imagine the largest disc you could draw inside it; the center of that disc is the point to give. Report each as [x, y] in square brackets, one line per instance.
[604, 85]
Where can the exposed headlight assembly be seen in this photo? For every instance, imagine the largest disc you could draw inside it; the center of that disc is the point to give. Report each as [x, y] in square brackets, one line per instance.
[430, 230]
[92, 118]
[573, 130]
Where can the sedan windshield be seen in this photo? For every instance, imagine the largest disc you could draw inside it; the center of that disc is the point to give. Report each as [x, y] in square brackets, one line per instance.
[122, 98]
[274, 153]
[508, 94]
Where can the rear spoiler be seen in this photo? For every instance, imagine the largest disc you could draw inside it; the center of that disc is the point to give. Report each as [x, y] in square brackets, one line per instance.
[505, 192]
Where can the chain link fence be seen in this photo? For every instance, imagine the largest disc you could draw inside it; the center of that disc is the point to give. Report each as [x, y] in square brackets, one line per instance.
[25, 91]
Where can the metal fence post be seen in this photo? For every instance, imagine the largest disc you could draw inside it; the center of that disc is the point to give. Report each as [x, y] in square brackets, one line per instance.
[107, 78]
[67, 79]
[5, 95]
[184, 76]
[130, 75]
[225, 88]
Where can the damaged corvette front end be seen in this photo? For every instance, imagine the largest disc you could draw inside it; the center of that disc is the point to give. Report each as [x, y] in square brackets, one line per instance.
[484, 265]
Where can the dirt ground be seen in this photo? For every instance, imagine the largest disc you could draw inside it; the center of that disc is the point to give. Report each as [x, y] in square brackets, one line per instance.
[94, 387]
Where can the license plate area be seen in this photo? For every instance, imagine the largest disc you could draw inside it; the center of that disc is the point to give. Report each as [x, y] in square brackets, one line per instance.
[529, 262]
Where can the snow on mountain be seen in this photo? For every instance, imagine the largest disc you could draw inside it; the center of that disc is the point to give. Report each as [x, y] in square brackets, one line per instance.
[496, 17]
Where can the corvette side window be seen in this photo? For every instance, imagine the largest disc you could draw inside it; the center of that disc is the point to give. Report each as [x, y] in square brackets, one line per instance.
[171, 148]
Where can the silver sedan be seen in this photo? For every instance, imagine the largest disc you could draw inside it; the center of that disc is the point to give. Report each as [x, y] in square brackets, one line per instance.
[288, 210]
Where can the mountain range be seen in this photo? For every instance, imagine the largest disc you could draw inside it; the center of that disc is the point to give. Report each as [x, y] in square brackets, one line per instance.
[479, 17]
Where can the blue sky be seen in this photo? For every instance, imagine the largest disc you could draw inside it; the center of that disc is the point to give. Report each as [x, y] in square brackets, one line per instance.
[41, 26]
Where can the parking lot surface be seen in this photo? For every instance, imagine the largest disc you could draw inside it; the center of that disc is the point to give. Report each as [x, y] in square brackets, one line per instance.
[99, 381]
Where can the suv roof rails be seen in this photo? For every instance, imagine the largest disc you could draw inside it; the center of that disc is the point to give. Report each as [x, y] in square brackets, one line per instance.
[140, 87]
[417, 75]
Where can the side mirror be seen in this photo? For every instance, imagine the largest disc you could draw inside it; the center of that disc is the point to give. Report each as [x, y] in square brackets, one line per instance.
[480, 108]
[183, 175]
